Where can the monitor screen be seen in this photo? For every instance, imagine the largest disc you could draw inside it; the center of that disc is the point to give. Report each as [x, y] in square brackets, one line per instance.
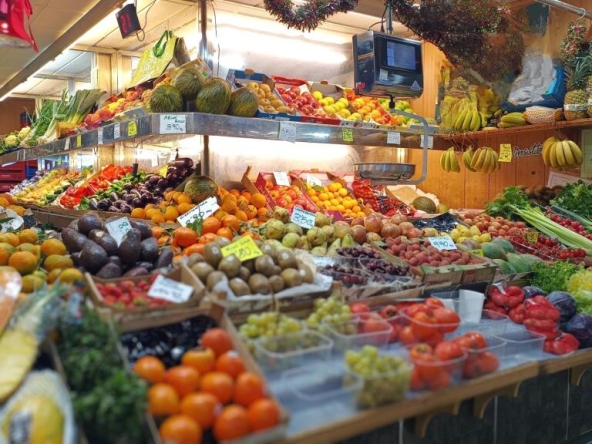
[400, 55]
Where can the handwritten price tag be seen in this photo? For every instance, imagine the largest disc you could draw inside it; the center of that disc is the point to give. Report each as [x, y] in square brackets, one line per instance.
[132, 129]
[67, 144]
[287, 131]
[347, 134]
[170, 290]
[118, 229]
[313, 181]
[245, 248]
[476, 252]
[304, 218]
[116, 131]
[532, 237]
[505, 154]
[281, 178]
[78, 140]
[100, 136]
[393, 138]
[173, 124]
[442, 242]
[203, 210]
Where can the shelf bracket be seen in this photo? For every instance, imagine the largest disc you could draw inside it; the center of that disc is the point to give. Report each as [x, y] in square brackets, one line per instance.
[481, 402]
[423, 421]
[576, 373]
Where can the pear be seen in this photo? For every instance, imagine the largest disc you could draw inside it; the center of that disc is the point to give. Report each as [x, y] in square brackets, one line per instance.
[281, 214]
[330, 232]
[294, 228]
[342, 228]
[335, 245]
[348, 241]
[291, 240]
[316, 236]
[275, 229]
[320, 250]
[322, 220]
[304, 243]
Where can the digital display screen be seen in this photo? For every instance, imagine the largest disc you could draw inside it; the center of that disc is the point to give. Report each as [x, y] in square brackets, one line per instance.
[400, 55]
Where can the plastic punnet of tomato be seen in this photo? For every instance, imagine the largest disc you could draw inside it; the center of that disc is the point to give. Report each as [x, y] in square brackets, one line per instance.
[483, 353]
[430, 324]
[436, 367]
[490, 323]
[363, 329]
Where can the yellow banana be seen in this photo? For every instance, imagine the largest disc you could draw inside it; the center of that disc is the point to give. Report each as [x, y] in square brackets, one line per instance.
[458, 123]
[475, 121]
[443, 160]
[454, 166]
[467, 122]
[496, 163]
[478, 159]
[487, 162]
[483, 119]
[577, 152]
[515, 118]
[570, 160]
[559, 154]
[547, 144]
[553, 155]
[467, 157]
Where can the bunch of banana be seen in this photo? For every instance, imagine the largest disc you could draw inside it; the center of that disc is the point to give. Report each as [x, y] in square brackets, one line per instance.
[469, 118]
[485, 160]
[562, 154]
[467, 158]
[448, 161]
[511, 120]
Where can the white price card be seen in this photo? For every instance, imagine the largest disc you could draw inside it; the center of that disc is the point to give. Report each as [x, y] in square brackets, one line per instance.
[100, 136]
[393, 138]
[304, 218]
[314, 181]
[281, 178]
[287, 131]
[430, 141]
[173, 124]
[67, 144]
[169, 290]
[442, 242]
[118, 228]
[203, 210]
[116, 131]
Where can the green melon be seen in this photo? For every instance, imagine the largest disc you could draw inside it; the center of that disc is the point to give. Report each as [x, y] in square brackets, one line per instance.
[214, 97]
[531, 259]
[166, 99]
[244, 102]
[504, 243]
[189, 81]
[423, 203]
[505, 267]
[518, 263]
[493, 251]
[199, 188]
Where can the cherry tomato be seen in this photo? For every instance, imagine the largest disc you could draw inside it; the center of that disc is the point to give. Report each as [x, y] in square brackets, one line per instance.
[424, 325]
[412, 310]
[417, 383]
[478, 341]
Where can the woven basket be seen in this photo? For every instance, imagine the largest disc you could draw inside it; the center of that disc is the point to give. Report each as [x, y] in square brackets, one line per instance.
[541, 114]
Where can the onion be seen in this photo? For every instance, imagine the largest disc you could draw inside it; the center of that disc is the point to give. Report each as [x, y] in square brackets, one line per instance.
[390, 230]
[398, 219]
[373, 237]
[413, 233]
[359, 234]
[373, 224]
[357, 221]
[405, 227]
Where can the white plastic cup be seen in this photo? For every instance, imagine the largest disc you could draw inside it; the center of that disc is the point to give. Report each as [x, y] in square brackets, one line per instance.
[470, 306]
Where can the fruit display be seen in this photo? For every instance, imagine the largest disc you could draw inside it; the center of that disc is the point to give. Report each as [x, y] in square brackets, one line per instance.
[328, 311]
[418, 253]
[282, 195]
[541, 195]
[335, 197]
[485, 160]
[335, 107]
[269, 325]
[214, 97]
[298, 96]
[512, 120]
[268, 101]
[563, 154]
[115, 105]
[129, 294]
[575, 103]
[482, 356]
[47, 188]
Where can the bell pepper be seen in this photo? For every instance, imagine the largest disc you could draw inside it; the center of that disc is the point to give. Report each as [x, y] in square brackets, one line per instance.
[517, 314]
[491, 306]
[497, 297]
[540, 316]
[515, 296]
[564, 344]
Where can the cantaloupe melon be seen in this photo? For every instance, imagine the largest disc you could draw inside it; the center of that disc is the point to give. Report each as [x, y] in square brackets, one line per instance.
[199, 188]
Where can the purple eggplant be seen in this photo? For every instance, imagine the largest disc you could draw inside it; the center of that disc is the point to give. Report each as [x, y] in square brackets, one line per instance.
[93, 204]
[154, 179]
[113, 209]
[136, 192]
[137, 202]
[126, 208]
[162, 184]
[114, 196]
[103, 205]
[172, 177]
[128, 198]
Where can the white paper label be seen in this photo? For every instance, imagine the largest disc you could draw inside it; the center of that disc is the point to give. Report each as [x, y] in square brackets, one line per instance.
[304, 218]
[67, 145]
[383, 75]
[100, 136]
[314, 181]
[430, 141]
[116, 131]
[393, 138]
[173, 124]
[118, 228]
[442, 242]
[203, 210]
[169, 290]
[281, 178]
[287, 131]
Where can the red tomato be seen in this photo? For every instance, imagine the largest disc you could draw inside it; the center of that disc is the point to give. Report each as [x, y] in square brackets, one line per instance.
[428, 367]
[424, 325]
[463, 342]
[407, 337]
[420, 351]
[448, 350]
[417, 383]
[448, 319]
[488, 362]
[359, 307]
[439, 381]
[434, 302]
[478, 341]
[388, 312]
[412, 310]
[394, 336]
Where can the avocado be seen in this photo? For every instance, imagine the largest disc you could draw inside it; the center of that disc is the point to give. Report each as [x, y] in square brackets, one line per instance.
[93, 257]
[142, 227]
[149, 249]
[136, 271]
[89, 221]
[115, 260]
[134, 235]
[73, 240]
[145, 264]
[166, 258]
[129, 249]
[104, 240]
[76, 259]
[74, 225]
[109, 271]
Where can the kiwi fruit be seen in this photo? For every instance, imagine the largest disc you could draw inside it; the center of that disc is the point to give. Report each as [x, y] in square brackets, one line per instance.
[193, 259]
[276, 283]
[244, 274]
[214, 278]
[202, 270]
[286, 259]
[291, 277]
[230, 265]
[250, 265]
[213, 254]
[268, 250]
[239, 287]
[265, 265]
[222, 241]
[306, 273]
[259, 284]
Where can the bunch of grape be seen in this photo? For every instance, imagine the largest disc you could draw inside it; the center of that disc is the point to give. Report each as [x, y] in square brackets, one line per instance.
[379, 267]
[269, 325]
[292, 342]
[345, 274]
[386, 378]
[358, 253]
[328, 311]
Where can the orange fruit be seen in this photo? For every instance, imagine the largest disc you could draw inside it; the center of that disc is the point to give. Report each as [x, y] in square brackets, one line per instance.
[183, 379]
[158, 218]
[248, 388]
[225, 232]
[151, 212]
[235, 192]
[218, 384]
[171, 214]
[262, 214]
[204, 361]
[35, 249]
[207, 238]
[258, 200]
[232, 423]
[195, 248]
[162, 399]
[185, 237]
[241, 215]
[263, 414]
[23, 261]
[218, 340]
[4, 255]
[8, 198]
[13, 239]
[230, 221]
[210, 225]
[53, 246]
[138, 213]
[3, 202]
[180, 429]
[251, 212]
[201, 407]
[53, 275]
[70, 275]
[220, 214]
[32, 283]
[150, 368]
[157, 231]
[28, 236]
[17, 209]
[184, 207]
[55, 261]
[184, 198]
[230, 363]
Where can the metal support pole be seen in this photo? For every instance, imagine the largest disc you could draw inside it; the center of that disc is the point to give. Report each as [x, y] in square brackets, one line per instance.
[203, 21]
[582, 12]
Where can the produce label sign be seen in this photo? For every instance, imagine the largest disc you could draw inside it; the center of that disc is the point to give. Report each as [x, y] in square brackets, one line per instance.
[442, 242]
[116, 131]
[532, 237]
[304, 218]
[313, 181]
[505, 154]
[347, 135]
[203, 210]
[245, 248]
[173, 124]
[118, 228]
[287, 131]
[281, 178]
[132, 129]
[393, 138]
[78, 141]
[169, 290]
[100, 136]
[478, 252]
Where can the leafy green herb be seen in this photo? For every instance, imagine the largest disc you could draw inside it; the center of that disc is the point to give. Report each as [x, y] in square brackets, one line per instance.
[553, 277]
[505, 205]
[576, 197]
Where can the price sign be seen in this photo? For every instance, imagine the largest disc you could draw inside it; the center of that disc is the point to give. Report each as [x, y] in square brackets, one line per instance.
[313, 181]
[505, 154]
[203, 210]
[532, 237]
[442, 242]
[132, 129]
[245, 248]
[116, 131]
[67, 144]
[100, 136]
[430, 141]
[118, 228]
[287, 131]
[173, 124]
[281, 178]
[170, 290]
[305, 219]
[78, 140]
[393, 138]
[347, 134]
[476, 252]
[11, 224]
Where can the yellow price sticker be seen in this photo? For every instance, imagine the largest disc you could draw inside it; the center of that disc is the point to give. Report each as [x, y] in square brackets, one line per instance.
[532, 237]
[245, 248]
[347, 134]
[478, 252]
[505, 154]
[132, 129]
[78, 141]
[163, 171]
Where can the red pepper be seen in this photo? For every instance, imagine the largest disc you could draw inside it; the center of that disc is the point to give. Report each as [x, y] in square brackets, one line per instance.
[515, 296]
[517, 314]
[489, 305]
[498, 298]
[544, 311]
[564, 344]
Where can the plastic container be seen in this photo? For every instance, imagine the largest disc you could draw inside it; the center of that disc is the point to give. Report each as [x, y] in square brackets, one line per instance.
[358, 332]
[430, 371]
[292, 350]
[486, 360]
[491, 323]
[522, 343]
[428, 332]
[384, 388]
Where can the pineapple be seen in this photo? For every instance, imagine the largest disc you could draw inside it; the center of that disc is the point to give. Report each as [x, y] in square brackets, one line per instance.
[577, 76]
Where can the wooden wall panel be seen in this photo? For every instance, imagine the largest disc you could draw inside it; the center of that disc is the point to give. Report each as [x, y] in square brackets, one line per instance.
[10, 111]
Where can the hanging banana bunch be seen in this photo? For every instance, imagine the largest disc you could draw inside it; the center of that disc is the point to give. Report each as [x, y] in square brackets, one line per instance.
[562, 154]
[467, 159]
[448, 161]
[485, 160]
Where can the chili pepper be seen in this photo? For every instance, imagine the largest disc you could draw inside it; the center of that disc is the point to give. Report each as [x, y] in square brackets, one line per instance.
[517, 314]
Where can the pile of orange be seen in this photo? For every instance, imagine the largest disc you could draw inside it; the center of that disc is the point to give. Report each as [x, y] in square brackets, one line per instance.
[209, 390]
[175, 204]
[243, 204]
[335, 197]
[7, 202]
